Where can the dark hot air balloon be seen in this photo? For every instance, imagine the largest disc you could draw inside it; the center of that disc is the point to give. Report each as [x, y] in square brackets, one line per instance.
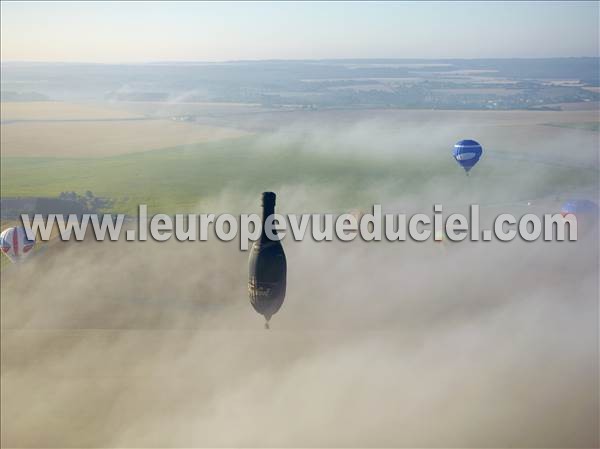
[267, 268]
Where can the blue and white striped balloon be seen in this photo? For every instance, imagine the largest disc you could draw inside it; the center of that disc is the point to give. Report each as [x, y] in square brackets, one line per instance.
[467, 153]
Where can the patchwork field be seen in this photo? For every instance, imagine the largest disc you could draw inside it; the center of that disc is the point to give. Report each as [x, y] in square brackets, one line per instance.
[57, 129]
[55, 110]
[368, 156]
[86, 139]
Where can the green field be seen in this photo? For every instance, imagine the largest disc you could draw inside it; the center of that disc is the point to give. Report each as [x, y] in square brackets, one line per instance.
[587, 126]
[178, 179]
[184, 179]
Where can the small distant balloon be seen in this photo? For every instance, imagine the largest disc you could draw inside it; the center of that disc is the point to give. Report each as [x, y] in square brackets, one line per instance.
[467, 153]
[586, 212]
[579, 206]
[15, 244]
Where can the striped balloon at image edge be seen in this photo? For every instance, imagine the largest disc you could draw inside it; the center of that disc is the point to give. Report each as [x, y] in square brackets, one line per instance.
[15, 244]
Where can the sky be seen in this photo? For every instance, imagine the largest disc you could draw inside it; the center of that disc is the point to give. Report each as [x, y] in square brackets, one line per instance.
[219, 31]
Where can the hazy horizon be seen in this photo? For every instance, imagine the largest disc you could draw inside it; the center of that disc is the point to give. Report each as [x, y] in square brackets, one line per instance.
[229, 31]
[250, 60]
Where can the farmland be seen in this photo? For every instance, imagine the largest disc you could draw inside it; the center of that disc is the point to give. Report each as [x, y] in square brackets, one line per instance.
[368, 156]
[57, 110]
[64, 129]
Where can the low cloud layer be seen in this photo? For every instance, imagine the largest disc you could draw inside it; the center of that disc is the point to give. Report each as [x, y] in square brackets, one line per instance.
[377, 344]
[465, 345]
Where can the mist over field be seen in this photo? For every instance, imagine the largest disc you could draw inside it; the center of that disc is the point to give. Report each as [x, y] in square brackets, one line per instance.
[378, 344]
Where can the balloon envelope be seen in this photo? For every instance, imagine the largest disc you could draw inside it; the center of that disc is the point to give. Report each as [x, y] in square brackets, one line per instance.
[467, 153]
[15, 244]
[267, 268]
[585, 211]
[583, 207]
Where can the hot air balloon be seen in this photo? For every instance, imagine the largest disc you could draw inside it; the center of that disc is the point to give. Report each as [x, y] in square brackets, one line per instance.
[267, 268]
[585, 211]
[15, 244]
[467, 153]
